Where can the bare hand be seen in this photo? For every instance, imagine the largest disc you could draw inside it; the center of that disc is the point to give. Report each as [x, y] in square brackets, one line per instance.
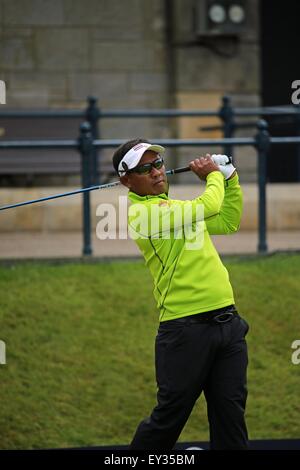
[203, 166]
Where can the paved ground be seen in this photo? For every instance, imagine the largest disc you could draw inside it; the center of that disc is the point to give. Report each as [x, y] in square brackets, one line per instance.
[69, 244]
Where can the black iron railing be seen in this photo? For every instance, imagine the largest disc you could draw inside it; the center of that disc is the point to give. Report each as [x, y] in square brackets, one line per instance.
[87, 147]
[89, 143]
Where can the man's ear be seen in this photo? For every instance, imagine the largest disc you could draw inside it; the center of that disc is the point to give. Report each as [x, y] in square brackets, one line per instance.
[125, 181]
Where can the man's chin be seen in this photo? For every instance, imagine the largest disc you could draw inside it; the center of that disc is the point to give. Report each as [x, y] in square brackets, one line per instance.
[160, 188]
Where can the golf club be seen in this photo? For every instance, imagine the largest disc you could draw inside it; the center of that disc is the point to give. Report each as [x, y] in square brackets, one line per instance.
[91, 188]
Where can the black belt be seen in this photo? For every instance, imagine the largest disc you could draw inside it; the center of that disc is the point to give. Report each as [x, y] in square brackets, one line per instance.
[220, 315]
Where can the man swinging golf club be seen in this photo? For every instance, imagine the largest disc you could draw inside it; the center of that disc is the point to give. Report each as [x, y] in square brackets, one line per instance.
[200, 345]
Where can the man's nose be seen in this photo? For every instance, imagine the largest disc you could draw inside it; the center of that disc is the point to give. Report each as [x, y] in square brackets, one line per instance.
[155, 171]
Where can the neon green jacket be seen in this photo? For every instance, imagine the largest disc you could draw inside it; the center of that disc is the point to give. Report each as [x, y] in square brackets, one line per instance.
[187, 279]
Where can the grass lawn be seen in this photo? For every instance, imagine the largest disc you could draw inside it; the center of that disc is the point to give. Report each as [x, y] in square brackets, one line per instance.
[79, 349]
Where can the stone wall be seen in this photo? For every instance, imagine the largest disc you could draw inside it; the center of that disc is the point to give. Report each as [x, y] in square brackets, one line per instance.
[65, 214]
[57, 52]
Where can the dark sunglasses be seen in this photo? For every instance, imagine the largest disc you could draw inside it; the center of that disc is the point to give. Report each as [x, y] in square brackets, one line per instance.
[147, 167]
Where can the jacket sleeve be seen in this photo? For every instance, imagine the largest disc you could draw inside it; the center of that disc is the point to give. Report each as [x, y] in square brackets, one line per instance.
[162, 216]
[229, 217]
[213, 196]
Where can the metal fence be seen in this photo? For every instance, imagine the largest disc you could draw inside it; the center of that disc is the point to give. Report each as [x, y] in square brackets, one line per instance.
[93, 114]
[87, 145]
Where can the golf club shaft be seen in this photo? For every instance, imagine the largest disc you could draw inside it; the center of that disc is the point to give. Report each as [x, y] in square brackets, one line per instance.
[83, 190]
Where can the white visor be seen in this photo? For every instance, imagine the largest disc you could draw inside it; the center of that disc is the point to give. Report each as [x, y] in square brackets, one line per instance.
[133, 156]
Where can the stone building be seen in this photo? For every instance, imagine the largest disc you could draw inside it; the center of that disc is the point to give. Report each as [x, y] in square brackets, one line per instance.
[143, 54]
[129, 54]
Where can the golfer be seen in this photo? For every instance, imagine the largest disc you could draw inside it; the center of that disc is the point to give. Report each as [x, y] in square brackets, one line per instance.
[200, 345]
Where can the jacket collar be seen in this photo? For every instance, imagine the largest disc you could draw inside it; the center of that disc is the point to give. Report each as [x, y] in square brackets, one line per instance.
[136, 198]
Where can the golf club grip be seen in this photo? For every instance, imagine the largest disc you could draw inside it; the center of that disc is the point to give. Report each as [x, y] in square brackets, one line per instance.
[182, 169]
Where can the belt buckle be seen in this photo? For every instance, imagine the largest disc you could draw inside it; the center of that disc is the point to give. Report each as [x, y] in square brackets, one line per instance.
[227, 316]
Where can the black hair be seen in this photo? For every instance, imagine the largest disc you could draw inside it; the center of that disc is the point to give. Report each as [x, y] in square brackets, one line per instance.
[123, 149]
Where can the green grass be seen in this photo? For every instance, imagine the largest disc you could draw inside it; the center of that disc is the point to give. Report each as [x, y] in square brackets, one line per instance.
[79, 341]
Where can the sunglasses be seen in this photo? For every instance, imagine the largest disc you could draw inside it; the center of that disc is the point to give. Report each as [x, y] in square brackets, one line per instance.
[147, 167]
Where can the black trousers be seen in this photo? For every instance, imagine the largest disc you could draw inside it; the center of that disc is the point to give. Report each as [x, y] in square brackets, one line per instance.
[192, 357]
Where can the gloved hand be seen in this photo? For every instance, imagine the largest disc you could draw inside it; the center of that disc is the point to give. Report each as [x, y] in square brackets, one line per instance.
[221, 159]
[225, 165]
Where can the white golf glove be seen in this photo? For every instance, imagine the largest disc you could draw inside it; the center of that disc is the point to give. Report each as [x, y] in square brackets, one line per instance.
[220, 159]
[224, 164]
